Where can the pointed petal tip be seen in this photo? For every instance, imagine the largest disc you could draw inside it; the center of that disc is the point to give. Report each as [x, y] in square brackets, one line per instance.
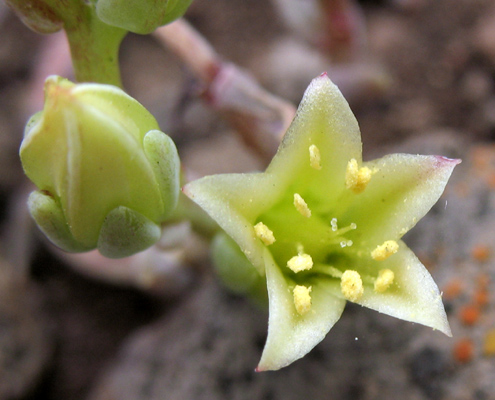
[448, 332]
[445, 329]
[323, 78]
[445, 161]
[186, 190]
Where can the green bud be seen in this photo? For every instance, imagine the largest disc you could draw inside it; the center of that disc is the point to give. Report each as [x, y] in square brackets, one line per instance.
[235, 270]
[107, 177]
[140, 16]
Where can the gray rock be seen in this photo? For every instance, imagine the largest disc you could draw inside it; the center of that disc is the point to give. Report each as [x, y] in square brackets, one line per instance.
[24, 342]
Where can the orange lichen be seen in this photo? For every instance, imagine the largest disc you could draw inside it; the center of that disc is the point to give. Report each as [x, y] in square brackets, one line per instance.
[481, 297]
[481, 252]
[489, 344]
[469, 314]
[463, 350]
[453, 289]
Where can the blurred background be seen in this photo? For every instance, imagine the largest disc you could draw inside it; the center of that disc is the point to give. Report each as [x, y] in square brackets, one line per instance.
[420, 77]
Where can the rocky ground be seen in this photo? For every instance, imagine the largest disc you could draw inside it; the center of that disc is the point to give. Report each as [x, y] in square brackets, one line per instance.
[66, 336]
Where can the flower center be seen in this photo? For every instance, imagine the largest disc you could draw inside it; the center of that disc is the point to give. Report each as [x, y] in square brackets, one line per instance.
[305, 243]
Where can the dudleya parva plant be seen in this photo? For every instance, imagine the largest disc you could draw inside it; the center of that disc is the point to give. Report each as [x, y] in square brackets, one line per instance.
[318, 228]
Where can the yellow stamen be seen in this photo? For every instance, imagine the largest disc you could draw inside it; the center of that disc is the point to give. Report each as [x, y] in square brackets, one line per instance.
[351, 285]
[301, 262]
[385, 250]
[264, 233]
[384, 280]
[314, 157]
[356, 179]
[301, 206]
[302, 299]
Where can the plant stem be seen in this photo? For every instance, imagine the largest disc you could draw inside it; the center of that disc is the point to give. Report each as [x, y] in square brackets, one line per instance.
[192, 48]
[94, 47]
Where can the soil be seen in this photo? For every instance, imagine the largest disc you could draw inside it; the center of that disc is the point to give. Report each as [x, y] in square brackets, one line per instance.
[87, 338]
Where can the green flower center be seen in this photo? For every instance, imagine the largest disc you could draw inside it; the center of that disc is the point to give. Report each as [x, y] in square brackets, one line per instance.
[308, 244]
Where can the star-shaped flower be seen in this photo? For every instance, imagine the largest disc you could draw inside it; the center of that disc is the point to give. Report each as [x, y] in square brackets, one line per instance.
[324, 227]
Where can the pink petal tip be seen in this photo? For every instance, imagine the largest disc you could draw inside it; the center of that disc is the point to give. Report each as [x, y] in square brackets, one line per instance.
[441, 160]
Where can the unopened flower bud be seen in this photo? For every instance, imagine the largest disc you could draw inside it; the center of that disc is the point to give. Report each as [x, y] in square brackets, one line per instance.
[107, 177]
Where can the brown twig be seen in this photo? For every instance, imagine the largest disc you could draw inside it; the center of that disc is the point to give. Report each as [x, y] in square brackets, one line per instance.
[260, 117]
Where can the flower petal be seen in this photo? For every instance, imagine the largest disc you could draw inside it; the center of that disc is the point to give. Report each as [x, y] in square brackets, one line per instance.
[402, 190]
[234, 201]
[325, 120]
[413, 296]
[290, 335]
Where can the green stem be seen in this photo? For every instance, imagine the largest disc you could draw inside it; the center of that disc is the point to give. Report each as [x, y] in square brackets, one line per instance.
[94, 46]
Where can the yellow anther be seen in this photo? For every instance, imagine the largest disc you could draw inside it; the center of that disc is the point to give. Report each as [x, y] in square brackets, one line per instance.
[384, 280]
[264, 233]
[351, 285]
[314, 157]
[385, 250]
[356, 179]
[301, 262]
[301, 206]
[302, 299]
